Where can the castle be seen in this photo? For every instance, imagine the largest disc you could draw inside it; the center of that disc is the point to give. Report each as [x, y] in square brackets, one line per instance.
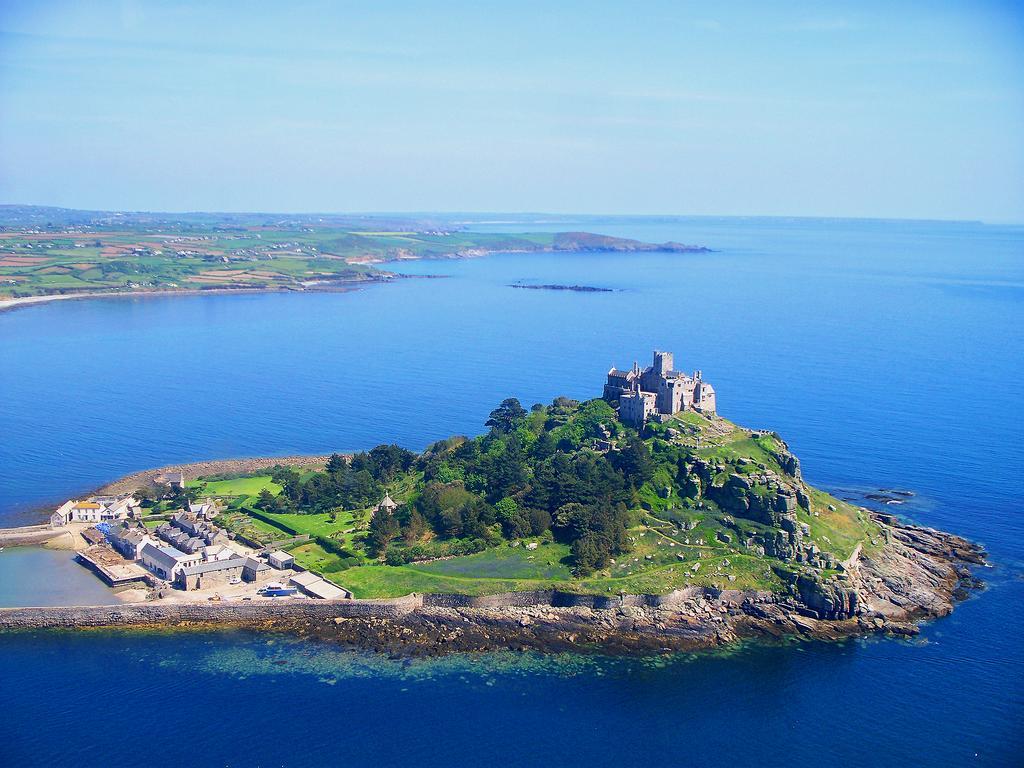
[657, 390]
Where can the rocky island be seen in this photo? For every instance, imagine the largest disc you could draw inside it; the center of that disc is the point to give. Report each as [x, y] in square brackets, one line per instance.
[641, 521]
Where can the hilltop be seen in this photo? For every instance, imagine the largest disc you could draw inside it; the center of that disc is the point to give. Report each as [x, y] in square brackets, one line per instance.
[566, 497]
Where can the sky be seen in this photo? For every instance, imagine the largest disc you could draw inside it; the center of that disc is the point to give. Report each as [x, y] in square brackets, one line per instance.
[859, 109]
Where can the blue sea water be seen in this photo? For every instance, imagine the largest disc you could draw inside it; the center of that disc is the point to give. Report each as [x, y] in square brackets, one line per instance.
[888, 354]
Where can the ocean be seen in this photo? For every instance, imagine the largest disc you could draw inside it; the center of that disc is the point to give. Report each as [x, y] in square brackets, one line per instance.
[888, 355]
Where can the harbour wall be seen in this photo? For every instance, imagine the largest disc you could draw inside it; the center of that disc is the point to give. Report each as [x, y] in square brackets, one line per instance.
[155, 613]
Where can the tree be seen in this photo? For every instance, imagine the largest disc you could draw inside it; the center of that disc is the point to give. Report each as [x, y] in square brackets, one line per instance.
[540, 521]
[544, 447]
[515, 523]
[386, 461]
[507, 416]
[590, 553]
[383, 530]
[267, 501]
[634, 462]
[414, 528]
[336, 464]
[572, 520]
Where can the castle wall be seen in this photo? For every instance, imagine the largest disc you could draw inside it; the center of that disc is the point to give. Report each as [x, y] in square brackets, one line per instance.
[634, 408]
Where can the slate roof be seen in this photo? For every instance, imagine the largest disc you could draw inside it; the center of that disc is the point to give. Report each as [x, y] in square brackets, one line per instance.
[214, 565]
[165, 556]
[256, 565]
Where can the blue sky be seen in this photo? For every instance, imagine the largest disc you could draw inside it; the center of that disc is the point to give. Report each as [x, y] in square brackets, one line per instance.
[819, 109]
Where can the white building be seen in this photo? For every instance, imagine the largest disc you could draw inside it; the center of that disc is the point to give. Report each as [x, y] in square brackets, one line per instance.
[319, 588]
[280, 560]
[95, 509]
[167, 562]
[217, 552]
[205, 510]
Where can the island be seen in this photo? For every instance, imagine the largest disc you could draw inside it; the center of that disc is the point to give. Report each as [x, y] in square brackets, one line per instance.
[559, 287]
[48, 254]
[639, 521]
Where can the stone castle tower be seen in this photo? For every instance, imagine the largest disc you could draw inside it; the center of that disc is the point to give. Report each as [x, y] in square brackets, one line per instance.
[657, 390]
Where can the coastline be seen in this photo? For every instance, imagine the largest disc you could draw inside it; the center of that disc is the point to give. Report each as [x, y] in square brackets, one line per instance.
[919, 575]
[132, 481]
[7, 305]
[341, 286]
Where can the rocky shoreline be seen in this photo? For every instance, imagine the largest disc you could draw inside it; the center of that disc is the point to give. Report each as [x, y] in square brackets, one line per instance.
[919, 574]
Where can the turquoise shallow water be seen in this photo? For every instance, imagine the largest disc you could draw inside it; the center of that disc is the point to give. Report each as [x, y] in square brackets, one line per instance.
[886, 353]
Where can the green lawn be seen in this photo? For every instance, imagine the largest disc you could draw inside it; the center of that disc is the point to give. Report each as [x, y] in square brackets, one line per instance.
[386, 581]
[315, 525]
[545, 562]
[241, 486]
[314, 557]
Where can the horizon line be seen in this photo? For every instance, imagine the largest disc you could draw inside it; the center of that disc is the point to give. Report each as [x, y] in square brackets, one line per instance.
[547, 214]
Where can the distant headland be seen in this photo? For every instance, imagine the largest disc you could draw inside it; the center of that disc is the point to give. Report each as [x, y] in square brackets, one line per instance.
[51, 253]
[640, 521]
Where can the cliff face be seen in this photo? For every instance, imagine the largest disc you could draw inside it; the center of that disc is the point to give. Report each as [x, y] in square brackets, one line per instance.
[837, 562]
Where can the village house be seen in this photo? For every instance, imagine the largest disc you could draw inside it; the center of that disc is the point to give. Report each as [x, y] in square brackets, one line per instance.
[129, 539]
[189, 533]
[387, 504]
[175, 480]
[205, 510]
[96, 509]
[657, 391]
[166, 562]
[216, 552]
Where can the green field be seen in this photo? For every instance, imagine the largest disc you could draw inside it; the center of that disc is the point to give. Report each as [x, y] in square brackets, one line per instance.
[341, 529]
[173, 252]
[242, 486]
[379, 581]
[547, 562]
[253, 257]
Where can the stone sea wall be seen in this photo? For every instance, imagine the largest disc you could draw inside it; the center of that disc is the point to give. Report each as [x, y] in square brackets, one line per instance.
[174, 613]
[249, 612]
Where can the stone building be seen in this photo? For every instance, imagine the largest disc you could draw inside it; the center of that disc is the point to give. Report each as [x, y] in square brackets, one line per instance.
[658, 389]
[129, 538]
[166, 562]
[214, 573]
[387, 504]
[255, 570]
